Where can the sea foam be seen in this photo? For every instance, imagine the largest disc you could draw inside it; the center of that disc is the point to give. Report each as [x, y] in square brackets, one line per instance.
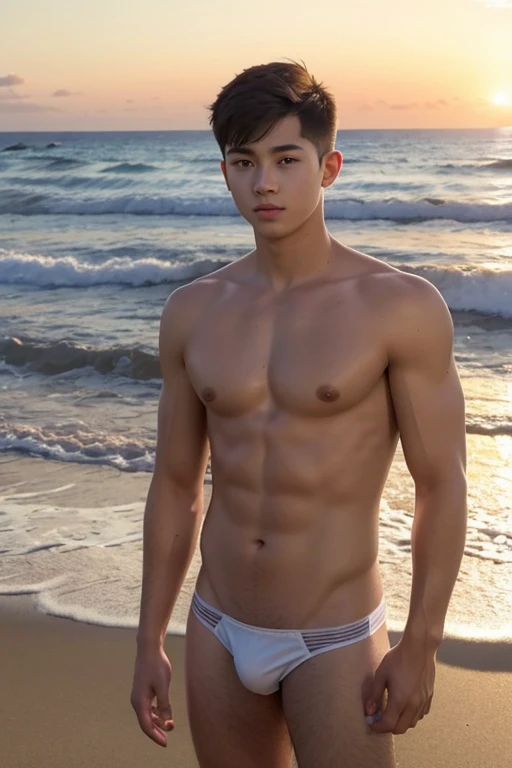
[486, 289]
[85, 563]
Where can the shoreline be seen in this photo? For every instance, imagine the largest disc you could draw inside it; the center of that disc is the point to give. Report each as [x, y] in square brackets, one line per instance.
[64, 699]
[468, 654]
[70, 494]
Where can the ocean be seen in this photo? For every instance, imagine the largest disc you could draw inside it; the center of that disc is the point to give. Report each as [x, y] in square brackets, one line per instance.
[98, 230]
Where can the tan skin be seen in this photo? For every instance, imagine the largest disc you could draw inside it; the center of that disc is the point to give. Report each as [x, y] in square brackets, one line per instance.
[299, 367]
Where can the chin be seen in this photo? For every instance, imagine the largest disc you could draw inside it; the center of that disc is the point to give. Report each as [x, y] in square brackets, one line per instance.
[273, 233]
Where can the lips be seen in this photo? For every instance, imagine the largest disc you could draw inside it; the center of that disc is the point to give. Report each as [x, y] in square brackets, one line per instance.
[268, 208]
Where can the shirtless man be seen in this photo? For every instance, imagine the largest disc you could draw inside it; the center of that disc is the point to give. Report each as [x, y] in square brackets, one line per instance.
[298, 366]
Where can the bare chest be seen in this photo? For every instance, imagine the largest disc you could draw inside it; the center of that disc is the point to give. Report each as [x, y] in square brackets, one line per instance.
[313, 358]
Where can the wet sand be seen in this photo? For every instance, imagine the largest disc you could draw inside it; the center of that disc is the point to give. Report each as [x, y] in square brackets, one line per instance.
[64, 701]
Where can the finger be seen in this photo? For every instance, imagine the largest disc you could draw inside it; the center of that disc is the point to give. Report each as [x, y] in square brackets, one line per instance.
[407, 719]
[371, 719]
[166, 724]
[385, 724]
[421, 714]
[151, 729]
[148, 726]
[390, 716]
[425, 709]
[374, 700]
[163, 706]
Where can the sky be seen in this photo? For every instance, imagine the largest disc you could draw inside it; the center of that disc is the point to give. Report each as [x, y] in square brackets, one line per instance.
[157, 65]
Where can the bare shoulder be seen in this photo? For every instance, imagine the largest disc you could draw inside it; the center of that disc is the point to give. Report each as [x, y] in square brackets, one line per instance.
[187, 301]
[407, 311]
[389, 290]
[416, 321]
[195, 294]
[179, 315]
[185, 305]
[400, 291]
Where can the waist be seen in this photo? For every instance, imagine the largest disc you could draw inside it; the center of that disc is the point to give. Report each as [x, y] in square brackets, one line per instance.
[365, 625]
[302, 567]
[296, 597]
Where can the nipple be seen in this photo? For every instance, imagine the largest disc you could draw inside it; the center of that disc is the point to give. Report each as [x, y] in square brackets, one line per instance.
[209, 394]
[327, 393]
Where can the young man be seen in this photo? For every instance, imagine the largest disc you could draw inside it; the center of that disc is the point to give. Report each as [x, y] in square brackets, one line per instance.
[298, 366]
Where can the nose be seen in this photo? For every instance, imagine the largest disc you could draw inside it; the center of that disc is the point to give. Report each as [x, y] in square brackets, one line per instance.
[264, 182]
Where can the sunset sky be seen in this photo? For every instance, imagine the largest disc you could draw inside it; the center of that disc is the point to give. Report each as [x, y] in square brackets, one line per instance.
[106, 65]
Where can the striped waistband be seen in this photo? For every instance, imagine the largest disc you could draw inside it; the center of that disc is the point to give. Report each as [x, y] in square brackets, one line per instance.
[314, 639]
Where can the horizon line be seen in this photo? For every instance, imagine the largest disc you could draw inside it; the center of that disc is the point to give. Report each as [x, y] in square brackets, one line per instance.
[207, 130]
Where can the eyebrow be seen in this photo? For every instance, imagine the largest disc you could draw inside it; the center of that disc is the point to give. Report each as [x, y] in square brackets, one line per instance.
[273, 150]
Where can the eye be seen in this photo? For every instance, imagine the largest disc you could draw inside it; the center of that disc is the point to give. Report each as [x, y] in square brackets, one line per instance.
[293, 159]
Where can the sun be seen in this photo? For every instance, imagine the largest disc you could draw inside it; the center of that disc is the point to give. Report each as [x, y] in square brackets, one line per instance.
[501, 99]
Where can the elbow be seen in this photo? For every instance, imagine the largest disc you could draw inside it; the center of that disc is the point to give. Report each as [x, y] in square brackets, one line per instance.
[177, 492]
[451, 482]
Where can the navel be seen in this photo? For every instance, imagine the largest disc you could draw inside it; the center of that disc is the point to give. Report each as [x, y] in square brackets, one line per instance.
[209, 394]
[327, 393]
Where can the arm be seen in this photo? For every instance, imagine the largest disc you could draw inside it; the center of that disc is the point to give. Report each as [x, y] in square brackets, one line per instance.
[173, 515]
[429, 407]
[174, 506]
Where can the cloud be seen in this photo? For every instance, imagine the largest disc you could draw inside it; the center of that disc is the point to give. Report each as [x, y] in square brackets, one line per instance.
[23, 108]
[455, 101]
[63, 93]
[436, 104]
[12, 96]
[11, 80]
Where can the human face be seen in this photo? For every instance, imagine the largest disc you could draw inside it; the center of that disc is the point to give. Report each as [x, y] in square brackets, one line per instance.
[281, 169]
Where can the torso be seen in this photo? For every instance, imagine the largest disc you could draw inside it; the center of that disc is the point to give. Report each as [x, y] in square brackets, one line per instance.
[302, 433]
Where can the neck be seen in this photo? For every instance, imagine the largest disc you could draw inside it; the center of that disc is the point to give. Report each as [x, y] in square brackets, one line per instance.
[286, 261]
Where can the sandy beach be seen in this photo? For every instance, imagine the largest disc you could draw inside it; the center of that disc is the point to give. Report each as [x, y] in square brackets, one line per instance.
[64, 701]
[64, 698]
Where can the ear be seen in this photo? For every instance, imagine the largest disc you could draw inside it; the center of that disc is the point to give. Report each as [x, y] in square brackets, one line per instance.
[224, 173]
[333, 164]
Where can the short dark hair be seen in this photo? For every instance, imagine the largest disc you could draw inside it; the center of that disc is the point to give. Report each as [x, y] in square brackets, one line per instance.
[249, 106]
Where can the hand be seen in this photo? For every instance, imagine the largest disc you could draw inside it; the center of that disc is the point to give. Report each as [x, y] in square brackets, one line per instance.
[408, 673]
[151, 680]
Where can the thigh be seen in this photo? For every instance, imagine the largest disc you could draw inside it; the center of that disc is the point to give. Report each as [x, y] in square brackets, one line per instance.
[230, 725]
[323, 702]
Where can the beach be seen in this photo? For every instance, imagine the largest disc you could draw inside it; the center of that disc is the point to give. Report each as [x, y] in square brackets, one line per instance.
[97, 229]
[64, 699]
